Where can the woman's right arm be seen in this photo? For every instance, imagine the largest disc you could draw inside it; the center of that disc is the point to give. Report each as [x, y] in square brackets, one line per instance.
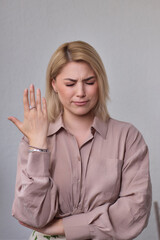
[36, 200]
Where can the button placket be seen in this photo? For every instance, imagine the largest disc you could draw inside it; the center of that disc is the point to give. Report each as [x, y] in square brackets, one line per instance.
[78, 180]
[85, 155]
[76, 173]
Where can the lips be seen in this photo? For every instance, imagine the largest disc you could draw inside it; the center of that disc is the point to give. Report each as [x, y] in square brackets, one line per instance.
[80, 103]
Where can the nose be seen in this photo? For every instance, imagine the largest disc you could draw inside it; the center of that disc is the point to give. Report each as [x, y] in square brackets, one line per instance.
[80, 90]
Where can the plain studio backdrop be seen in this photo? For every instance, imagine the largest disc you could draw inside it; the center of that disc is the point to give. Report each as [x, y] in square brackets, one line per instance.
[126, 33]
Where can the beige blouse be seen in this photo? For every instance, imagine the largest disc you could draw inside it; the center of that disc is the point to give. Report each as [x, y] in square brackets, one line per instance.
[101, 190]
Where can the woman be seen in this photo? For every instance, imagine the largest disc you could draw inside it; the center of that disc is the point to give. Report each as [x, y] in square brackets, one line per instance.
[81, 174]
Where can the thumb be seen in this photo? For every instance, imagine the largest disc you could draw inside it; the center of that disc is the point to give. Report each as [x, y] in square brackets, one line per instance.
[16, 122]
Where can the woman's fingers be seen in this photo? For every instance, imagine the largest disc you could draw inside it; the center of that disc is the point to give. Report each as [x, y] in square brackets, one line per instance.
[32, 96]
[38, 100]
[40, 106]
[25, 101]
[35, 124]
[44, 106]
[16, 122]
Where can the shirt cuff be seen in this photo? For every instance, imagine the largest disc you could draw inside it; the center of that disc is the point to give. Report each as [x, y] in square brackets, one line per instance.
[76, 227]
[38, 164]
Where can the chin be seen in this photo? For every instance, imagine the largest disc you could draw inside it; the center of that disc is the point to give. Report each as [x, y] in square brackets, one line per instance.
[82, 113]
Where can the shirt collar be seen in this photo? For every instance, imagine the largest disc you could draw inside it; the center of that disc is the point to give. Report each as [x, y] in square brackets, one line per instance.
[55, 126]
[98, 125]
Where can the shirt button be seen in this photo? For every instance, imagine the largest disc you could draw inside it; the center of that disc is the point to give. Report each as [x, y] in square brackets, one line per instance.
[79, 158]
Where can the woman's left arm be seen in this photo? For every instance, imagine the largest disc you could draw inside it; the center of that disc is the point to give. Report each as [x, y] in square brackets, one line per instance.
[128, 215]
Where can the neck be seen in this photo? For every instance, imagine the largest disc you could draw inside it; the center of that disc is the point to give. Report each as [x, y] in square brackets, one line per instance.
[78, 123]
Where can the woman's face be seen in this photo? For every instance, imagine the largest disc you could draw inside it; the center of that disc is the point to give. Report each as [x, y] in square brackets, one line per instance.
[77, 88]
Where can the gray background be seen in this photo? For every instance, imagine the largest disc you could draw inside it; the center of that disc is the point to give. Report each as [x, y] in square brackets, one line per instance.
[126, 33]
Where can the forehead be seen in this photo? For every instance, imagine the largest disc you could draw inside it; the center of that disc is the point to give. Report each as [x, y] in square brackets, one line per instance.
[77, 69]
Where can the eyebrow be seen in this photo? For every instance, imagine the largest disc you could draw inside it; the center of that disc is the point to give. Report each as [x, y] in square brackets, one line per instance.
[74, 80]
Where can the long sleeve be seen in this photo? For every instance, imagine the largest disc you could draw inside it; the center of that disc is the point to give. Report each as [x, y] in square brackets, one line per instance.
[36, 200]
[128, 215]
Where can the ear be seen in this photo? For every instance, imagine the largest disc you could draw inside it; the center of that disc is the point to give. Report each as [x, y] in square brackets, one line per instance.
[54, 85]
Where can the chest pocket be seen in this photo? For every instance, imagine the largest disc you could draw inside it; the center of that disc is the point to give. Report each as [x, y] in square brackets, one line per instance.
[104, 180]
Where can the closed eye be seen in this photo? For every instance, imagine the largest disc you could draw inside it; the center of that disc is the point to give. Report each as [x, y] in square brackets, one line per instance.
[70, 85]
[90, 83]
[71, 82]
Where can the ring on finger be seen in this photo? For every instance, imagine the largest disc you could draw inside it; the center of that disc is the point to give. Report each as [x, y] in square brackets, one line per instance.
[31, 107]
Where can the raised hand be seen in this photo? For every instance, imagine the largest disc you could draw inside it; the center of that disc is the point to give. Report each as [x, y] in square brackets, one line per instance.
[35, 124]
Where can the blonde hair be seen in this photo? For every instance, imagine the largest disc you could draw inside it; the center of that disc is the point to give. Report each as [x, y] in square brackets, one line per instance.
[70, 52]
